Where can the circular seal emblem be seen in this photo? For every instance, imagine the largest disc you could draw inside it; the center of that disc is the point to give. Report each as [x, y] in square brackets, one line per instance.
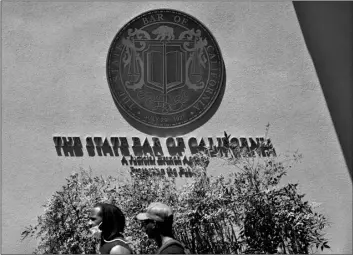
[165, 72]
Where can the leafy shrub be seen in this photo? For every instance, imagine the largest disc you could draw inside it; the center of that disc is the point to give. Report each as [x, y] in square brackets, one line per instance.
[246, 211]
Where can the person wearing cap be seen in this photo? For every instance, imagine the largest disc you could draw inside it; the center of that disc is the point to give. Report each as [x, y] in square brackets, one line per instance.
[107, 223]
[157, 222]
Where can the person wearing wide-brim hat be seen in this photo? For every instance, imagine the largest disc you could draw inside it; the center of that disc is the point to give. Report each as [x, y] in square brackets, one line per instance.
[157, 222]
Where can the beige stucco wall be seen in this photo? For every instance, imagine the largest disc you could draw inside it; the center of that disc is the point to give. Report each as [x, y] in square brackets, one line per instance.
[54, 83]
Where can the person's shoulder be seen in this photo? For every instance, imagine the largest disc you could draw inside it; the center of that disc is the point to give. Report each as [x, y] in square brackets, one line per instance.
[118, 249]
[173, 248]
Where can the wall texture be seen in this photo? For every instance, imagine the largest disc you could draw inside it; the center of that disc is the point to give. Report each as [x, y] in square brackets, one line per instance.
[54, 83]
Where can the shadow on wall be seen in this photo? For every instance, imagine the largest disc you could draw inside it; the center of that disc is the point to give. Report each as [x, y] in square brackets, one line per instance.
[327, 30]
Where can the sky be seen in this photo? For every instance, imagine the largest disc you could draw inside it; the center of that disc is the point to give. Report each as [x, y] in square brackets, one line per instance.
[54, 83]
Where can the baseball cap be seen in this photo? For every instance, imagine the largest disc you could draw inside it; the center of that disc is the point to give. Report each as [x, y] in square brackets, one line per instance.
[156, 211]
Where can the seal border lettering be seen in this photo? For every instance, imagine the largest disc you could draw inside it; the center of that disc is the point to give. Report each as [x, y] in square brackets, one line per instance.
[220, 80]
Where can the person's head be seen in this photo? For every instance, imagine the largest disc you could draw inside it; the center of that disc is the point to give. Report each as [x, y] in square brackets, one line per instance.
[107, 218]
[157, 221]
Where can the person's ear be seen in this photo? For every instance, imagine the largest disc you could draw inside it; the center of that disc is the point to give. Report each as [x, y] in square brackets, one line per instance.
[156, 224]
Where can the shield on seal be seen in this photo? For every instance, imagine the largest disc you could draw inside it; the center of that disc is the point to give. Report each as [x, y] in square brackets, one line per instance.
[164, 63]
